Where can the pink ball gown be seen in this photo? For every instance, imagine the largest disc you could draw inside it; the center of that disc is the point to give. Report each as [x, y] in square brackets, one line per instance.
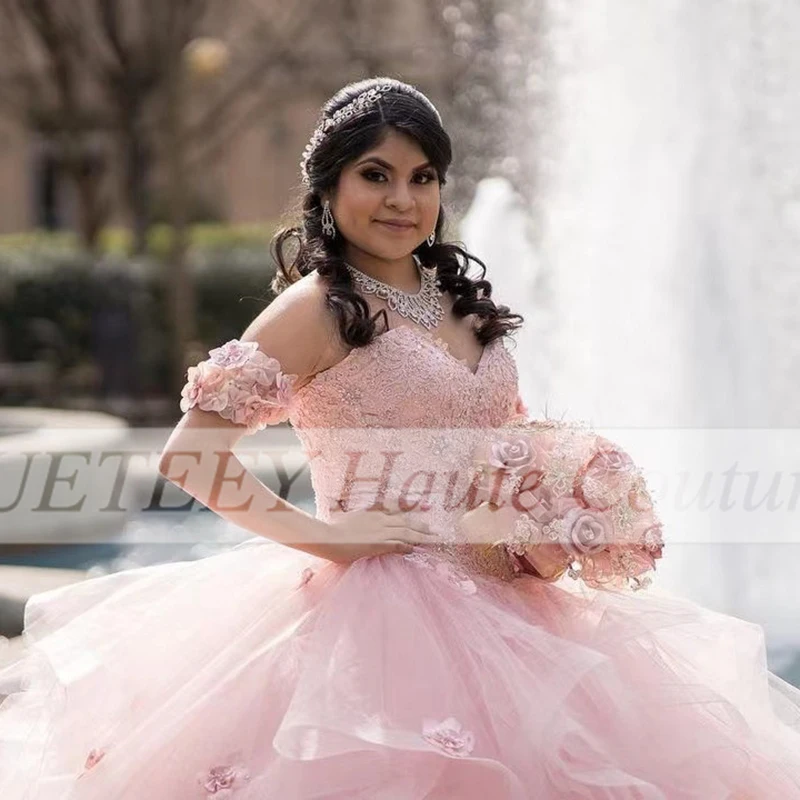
[265, 672]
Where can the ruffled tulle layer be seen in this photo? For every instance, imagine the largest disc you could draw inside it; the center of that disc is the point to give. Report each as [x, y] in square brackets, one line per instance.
[267, 673]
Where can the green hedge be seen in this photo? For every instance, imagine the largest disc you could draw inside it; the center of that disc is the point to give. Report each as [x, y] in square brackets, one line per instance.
[56, 301]
[24, 247]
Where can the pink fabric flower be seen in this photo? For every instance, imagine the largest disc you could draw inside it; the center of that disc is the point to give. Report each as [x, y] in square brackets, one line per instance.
[421, 558]
[284, 385]
[94, 758]
[443, 567]
[305, 576]
[653, 541]
[589, 505]
[206, 387]
[233, 353]
[606, 477]
[240, 383]
[261, 369]
[586, 531]
[513, 454]
[253, 407]
[449, 736]
[222, 781]
[459, 579]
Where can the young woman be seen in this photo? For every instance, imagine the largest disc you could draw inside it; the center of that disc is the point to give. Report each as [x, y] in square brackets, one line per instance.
[375, 650]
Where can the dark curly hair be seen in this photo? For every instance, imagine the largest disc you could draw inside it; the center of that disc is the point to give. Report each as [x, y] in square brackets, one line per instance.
[407, 110]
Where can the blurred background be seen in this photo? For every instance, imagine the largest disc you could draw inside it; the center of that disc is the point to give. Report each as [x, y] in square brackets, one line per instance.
[629, 172]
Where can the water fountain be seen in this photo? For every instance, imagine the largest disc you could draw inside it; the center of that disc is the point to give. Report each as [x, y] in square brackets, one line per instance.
[661, 280]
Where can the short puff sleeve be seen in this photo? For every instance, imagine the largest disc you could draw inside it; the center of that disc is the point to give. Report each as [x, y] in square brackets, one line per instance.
[242, 384]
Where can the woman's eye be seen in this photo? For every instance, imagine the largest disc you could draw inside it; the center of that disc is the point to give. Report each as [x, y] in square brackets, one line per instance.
[375, 176]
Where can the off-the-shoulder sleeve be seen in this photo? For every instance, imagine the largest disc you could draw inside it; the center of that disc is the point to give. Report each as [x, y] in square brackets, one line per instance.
[240, 383]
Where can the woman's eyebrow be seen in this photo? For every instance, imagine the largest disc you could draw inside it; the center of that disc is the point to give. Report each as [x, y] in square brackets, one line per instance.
[387, 165]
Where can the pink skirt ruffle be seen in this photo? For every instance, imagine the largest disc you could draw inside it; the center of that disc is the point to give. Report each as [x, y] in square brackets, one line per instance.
[267, 673]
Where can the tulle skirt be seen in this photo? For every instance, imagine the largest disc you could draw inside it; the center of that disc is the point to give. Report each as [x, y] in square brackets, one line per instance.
[264, 672]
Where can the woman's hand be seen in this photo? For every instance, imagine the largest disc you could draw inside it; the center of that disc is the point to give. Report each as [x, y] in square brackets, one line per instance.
[365, 533]
[487, 525]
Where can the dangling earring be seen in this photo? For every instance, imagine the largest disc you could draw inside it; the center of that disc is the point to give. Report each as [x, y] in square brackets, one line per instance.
[431, 239]
[328, 225]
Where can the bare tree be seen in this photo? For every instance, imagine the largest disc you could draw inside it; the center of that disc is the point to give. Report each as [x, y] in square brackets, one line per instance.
[42, 85]
[74, 68]
[119, 66]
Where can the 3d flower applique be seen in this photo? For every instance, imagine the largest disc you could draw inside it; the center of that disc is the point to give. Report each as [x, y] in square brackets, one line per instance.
[420, 558]
[223, 781]
[92, 760]
[240, 383]
[458, 578]
[653, 540]
[233, 353]
[512, 453]
[443, 567]
[586, 531]
[305, 576]
[449, 736]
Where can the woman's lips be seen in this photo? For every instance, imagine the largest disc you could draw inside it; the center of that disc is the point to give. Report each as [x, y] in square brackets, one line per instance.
[392, 227]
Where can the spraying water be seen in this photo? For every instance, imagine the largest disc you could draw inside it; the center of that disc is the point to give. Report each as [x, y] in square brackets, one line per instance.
[661, 281]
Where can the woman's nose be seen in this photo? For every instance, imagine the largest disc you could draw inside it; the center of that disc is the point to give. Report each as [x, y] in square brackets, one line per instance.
[399, 196]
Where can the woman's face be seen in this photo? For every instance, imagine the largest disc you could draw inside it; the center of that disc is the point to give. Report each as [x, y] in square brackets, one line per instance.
[392, 183]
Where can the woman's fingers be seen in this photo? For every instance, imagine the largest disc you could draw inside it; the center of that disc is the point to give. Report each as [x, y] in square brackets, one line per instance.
[405, 521]
[397, 519]
[417, 537]
[399, 547]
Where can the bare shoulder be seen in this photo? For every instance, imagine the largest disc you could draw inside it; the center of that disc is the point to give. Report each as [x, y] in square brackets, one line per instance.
[296, 328]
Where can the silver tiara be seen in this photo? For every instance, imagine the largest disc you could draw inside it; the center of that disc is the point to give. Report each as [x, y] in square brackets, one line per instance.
[353, 108]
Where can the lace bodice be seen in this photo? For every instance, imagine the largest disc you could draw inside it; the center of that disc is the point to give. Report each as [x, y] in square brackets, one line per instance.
[406, 378]
[394, 423]
[397, 421]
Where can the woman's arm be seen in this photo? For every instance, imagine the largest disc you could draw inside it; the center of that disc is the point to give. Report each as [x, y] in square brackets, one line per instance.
[294, 329]
[199, 458]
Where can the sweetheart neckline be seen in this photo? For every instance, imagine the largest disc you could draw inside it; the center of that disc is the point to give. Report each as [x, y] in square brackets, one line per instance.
[425, 337]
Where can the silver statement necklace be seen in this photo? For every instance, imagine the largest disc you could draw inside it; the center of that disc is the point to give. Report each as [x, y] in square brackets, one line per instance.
[423, 307]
